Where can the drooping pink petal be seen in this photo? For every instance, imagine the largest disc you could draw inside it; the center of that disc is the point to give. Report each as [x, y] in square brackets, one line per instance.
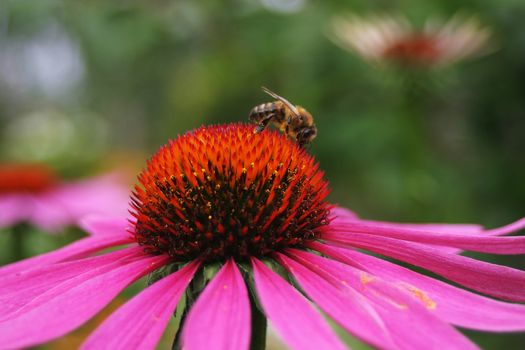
[505, 230]
[71, 303]
[462, 229]
[444, 228]
[496, 280]
[341, 215]
[17, 290]
[80, 248]
[104, 225]
[67, 203]
[479, 243]
[349, 308]
[294, 319]
[452, 304]
[411, 324]
[139, 324]
[49, 213]
[106, 195]
[220, 318]
[14, 208]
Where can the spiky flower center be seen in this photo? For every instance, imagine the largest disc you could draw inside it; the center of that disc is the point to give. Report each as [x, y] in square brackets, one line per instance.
[224, 191]
[26, 178]
[415, 49]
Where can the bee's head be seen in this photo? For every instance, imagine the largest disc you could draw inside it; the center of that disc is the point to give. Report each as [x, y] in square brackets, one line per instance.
[306, 135]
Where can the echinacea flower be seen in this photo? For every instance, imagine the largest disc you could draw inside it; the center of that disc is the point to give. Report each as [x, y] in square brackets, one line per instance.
[255, 205]
[33, 193]
[394, 40]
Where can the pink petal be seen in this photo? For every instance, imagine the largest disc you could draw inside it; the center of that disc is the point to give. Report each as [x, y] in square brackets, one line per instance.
[49, 213]
[343, 215]
[77, 249]
[139, 324]
[452, 304]
[71, 303]
[411, 325]
[296, 321]
[444, 228]
[68, 203]
[21, 288]
[499, 281]
[14, 209]
[505, 230]
[340, 214]
[220, 319]
[479, 243]
[105, 225]
[106, 195]
[350, 309]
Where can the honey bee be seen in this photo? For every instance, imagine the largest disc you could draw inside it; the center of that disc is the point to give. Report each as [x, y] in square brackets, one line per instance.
[295, 121]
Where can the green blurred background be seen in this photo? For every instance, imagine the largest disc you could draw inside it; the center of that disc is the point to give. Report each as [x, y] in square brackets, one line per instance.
[95, 85]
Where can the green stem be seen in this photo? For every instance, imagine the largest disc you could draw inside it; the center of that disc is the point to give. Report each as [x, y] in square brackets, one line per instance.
[413, 122]
[18, 236]
[258, 320]
[414, 143]
[192, 292]
[259, 324]
[176, 345]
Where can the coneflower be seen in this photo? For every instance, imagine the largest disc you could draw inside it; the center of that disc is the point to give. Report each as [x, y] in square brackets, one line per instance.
[34, 193]
[254, 205]
[388, 39]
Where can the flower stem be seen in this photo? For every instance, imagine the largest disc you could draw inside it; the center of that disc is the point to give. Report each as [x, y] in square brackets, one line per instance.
[176, 345]
[18, 235]
[192, 292]
[259, 324]
[415, 151]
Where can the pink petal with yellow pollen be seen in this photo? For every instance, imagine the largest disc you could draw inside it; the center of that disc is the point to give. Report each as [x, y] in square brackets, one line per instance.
[77, 249]
[139, 324]
[411, 324]
[220, 318]
[21, 288]
[14, 208]
[294, 319]
[496, 280]
[479, 243]
[349, 308]
[452, 304]
[71, 303]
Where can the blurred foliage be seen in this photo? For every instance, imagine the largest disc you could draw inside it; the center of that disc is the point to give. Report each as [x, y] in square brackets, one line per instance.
[81, 82]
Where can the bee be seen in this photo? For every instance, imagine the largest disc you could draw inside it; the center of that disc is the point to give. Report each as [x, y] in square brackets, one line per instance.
[295, 121]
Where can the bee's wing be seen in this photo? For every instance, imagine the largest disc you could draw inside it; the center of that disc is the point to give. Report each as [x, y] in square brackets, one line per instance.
[282, 99]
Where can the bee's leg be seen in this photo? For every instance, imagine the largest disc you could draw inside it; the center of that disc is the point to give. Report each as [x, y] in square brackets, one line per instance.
[263, 123]
[302, 137]
[287, 127]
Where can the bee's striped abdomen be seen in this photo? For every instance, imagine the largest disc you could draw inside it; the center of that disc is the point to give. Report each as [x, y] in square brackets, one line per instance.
[260, 112]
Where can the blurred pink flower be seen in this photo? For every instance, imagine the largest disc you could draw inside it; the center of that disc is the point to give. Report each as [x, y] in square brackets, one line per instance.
[265, 201]
[394, 40]
[33, 193]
